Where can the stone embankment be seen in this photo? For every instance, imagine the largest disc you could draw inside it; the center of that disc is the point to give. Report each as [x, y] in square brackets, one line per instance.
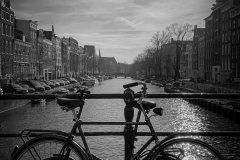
[229, 108]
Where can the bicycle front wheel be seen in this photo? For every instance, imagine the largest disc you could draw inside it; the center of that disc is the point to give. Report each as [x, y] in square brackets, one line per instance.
[186, 149]
[49, 148]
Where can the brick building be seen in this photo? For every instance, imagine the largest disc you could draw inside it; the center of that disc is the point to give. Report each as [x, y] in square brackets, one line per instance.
[6, 38]
[21, 56]
[29, 29]
[220, 44]
[198, 32]
[65, 57]
[235, 58]
[49, 55]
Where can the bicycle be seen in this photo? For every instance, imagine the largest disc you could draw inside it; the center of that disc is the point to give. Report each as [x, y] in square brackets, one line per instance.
[57, 145]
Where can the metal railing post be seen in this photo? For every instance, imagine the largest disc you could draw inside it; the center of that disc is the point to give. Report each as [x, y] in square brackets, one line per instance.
[128, 131]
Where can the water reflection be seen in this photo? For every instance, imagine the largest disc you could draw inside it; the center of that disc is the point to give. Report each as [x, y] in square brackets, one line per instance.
[178, 115]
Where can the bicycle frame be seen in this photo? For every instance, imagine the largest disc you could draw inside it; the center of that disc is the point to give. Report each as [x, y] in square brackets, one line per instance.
[78, 123]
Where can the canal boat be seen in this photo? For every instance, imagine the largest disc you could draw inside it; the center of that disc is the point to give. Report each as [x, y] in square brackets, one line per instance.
[88, 83]
[34, 101]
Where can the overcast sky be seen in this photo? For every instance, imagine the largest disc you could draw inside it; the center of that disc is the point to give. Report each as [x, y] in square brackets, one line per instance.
[120, 28]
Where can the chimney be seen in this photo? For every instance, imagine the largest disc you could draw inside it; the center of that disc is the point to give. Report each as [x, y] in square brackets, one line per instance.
[23, 38]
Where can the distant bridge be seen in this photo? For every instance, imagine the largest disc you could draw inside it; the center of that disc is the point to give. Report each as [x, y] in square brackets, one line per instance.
[125, 75]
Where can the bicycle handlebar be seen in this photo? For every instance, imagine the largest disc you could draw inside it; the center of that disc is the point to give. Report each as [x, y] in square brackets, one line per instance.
[133, 84]
[130, 85]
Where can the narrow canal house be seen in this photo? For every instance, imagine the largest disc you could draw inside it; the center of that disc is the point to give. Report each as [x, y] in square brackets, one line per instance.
[235, 60]
[221, 42]
[6, 38]
[29, 29]
[21, 55]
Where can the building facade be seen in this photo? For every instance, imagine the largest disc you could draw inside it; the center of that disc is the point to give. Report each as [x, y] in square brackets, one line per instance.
[198, 32]
[58, 43]
[201, 56]
[74, 58]
[235, 58]
[21, 56]
[65, 57]
[187, 57]
[29, 29]
[49, 56]
[219, 41]
[6, 38]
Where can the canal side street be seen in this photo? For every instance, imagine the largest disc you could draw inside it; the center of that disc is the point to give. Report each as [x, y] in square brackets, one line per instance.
[178, 116]
[11, 104]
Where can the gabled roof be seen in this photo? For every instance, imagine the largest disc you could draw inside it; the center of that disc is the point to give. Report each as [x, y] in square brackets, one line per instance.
[108, 60]
[200, 31]
[48, 34]
[89, 49]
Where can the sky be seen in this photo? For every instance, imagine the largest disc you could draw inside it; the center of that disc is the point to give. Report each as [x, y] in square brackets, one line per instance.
[118, 28]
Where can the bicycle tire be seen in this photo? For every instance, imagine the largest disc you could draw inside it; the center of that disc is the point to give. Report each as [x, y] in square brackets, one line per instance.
[48, 147]
[185, 149]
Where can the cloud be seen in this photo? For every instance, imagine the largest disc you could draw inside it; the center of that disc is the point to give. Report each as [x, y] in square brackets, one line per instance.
[120, 27]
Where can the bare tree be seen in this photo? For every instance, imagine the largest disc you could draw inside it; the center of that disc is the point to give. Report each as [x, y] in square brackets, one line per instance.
[179, 34]
[158, 39]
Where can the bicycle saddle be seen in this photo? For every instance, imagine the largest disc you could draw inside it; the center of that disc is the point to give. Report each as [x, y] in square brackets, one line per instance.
[70, 103]
[147, 105]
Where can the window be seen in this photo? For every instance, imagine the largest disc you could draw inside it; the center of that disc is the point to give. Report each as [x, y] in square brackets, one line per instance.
[237, 36]
[10, 31]
[7, 47]
[226, 36]
[229, 35]
[237, 70]
[228, 63]
[237, 52]
[234, 24]
[7, 16]
[233, 53]
[10, 47]
[3, 28]
[3, 15]
[229, 48]
[233, 37]
[226, 51]
[11, 18]
[225, 66]
[222, 49]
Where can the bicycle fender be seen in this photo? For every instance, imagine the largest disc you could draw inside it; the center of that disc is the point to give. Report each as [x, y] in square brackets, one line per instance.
[74, 143]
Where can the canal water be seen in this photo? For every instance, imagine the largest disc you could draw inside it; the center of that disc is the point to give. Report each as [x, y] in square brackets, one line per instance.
[178, 116]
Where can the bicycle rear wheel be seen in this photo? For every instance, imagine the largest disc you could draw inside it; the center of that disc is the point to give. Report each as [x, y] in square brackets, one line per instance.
[48, 148]
[186, 149]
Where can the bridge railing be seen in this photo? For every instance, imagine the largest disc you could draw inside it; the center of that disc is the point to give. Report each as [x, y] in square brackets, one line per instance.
[190, 96]
[187, 96]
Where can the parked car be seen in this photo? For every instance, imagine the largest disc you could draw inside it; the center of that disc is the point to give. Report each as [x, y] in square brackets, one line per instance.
[14, 88]
[30, 89]
[55, 83]
[49, 84]
[65, 80]
[47, 87]
[71, 80]
[34, 84]
[1, 91]
[61, 82]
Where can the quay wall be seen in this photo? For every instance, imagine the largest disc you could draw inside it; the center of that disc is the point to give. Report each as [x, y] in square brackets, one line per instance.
[228, 109]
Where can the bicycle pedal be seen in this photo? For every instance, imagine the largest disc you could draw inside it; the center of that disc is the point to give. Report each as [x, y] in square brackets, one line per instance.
[14, 150]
